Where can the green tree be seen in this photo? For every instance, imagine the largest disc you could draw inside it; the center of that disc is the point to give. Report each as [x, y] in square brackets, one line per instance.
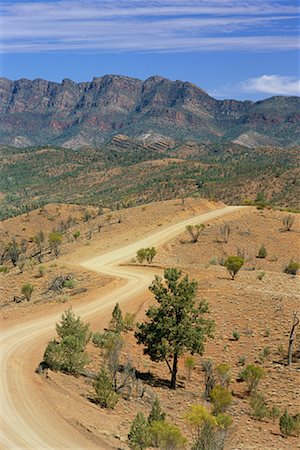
[139, 437]
[55, 240]
[105, 394]
[68, 353]
[195, 231]
[233, 264]
[156, 414]
[116, 321]
[177, 325]
[27, 290]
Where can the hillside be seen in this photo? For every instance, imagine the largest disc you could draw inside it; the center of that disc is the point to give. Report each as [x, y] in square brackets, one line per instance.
[129, 171]
[75, 115]
[257, 306]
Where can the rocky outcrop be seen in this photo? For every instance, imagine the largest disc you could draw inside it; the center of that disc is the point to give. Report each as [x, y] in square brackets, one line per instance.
[90, 113]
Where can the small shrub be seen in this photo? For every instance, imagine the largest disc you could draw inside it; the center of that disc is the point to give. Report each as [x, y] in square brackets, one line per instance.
[221, 399]
[214, 261]
[76, 235]
[139, 437]
[296, 425]
[236, 335]
[252, 375]
[287, 222]
[147, 254]
[70, 284]
[261, 275]
[4, 269]
[242, 360]
[41, 271]
[156, 414]
[167, 436]
[105, 394]
[274, 413]
[223, 372]
[258, 406]
[292, 268]
[262, 252]
[263, 355]
[190, 364]
[286, 424]
[233, 264]
[27, 290]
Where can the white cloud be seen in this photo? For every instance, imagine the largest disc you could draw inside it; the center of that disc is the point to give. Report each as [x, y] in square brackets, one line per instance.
[146, 25]
[272, 84]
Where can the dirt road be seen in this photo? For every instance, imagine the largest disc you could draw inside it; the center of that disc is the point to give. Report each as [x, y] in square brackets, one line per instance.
[26, 421]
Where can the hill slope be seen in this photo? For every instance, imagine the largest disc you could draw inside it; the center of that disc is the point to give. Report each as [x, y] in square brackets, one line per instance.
[90, 113]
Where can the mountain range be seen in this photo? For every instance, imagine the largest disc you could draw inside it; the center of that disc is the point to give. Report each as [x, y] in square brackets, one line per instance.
[75, 115]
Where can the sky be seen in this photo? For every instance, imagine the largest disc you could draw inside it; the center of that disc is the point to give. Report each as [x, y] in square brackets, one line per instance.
[243, 49]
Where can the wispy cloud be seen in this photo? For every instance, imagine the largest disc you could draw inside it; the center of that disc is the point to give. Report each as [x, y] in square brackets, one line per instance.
[148, 25]
[272, 84]
[264, 84]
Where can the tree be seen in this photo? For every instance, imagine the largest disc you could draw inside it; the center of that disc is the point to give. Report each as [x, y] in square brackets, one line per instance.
[225, 232]
[156, 414]
[146, 253]
[39, 240]
[13, 251]
[287, 222]
[252, 375]
[233, 264]
[55, 240]
[27, 290]
[176, 325]
[296, 321]
[68, 353]
[116, 321]
[195, 231]
[139, 437]
[105, 393]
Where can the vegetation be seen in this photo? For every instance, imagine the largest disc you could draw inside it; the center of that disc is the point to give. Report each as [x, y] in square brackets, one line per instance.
[146, 254]
[27, 290]
[288, 222]
[262, 252]
[139, 437]
[225, 232]
[68, 353]
[292, 268]
[177, 325]
[105, 394]
[221, 399]
[233, 264]
[195, 231]
[55, 240]
[190, 364]
[252, 375]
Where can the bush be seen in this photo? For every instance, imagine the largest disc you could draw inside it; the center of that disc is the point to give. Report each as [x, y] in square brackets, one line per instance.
[4, 269]
[225, 232]
[190, 364]
[166, 436]
[286, 424]
[221, 399]
[236, 335]
[76, 235]
[105, 394]
[41, 271]
[139, 437]
[233, 264]
[223, 372]
[261, 275]
[292, 268]
[252, 375]
[258, 405]
[68, 353]
[262, 252]
[156, 414]
[274, 413]
[146, 254]
[27, 290]
[212, 432]
[70, 284]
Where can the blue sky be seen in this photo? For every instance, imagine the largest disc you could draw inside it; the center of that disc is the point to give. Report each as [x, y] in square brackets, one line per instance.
[245, 49]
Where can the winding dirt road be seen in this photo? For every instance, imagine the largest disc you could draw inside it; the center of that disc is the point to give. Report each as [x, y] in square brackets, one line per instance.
[26, 423]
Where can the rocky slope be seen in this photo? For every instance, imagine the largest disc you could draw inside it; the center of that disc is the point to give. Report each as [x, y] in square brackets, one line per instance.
[90, 113]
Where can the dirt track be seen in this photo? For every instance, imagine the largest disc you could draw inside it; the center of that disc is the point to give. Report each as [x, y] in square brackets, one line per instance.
[25, 421]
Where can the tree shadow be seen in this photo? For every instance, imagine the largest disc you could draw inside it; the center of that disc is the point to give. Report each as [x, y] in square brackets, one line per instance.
[155, 381]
